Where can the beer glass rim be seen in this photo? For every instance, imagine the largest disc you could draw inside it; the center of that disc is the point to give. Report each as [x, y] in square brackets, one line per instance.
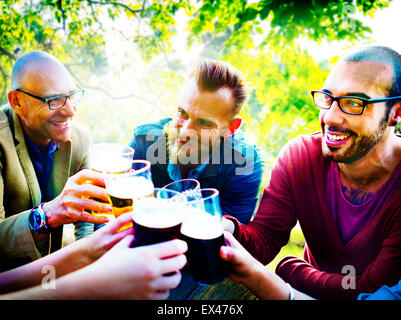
[181, 180]
[177, 193]
[214, 194]
[130, 151]
[145, 168]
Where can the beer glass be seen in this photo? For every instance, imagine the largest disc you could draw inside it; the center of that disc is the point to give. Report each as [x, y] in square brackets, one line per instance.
[109, 158]
[158, 219]
[123, 189]
[203, 231]
[190, 188]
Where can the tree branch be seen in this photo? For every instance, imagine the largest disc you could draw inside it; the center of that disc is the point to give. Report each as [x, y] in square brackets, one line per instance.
[4, 52]
[121, 97]
[60, 6]
[126, 7]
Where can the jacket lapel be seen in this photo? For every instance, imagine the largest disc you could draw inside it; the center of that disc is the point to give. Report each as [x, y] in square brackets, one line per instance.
[25, 161]
[61, 168]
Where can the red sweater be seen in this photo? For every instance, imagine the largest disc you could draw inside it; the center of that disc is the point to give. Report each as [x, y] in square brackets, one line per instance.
[297, 192]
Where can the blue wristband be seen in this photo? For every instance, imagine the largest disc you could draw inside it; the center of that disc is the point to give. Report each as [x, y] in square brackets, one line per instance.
[291, 294]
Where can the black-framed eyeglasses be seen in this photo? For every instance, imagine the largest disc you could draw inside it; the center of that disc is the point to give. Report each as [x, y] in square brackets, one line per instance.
[58, 101]
[348, 104]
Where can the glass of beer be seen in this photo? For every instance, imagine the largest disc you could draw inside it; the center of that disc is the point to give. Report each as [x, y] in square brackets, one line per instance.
[158, 219]
[190, 188]
[203, 231]
[123, 189]
[110, 158]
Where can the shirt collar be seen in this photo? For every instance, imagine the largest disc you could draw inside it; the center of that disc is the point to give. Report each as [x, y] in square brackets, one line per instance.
[34, 151]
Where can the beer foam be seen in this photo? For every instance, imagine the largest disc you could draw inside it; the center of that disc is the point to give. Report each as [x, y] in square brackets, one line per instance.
[198, 224]
[156, 213]
[130, 187]
[110, 164]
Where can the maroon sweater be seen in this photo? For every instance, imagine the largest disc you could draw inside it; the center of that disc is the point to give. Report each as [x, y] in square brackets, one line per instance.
[297, 192]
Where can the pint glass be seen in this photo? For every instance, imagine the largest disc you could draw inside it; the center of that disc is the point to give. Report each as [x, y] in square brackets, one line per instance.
[110, 158]
[158, 219]
[123, 189]
[203, 231]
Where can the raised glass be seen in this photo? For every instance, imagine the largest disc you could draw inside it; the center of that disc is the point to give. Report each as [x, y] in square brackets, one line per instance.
[202, 229]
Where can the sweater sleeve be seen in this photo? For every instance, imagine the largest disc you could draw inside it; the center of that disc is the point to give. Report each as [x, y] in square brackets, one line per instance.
[270, 229]
[384, 270]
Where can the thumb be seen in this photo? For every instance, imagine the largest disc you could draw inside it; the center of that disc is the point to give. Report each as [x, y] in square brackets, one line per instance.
[124, 242]
[228, 254]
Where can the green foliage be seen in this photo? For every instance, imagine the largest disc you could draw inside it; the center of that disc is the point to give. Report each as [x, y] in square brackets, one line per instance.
[139, 81]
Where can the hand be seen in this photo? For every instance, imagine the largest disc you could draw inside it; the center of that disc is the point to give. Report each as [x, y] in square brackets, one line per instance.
[250, 272]
[228, 225]
[69, 205]
[101, 241]
[136, 273]
[243, 265]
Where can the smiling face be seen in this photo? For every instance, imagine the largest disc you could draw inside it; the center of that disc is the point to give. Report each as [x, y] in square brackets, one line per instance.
[46, 78]
[347, 138]
[201, 119]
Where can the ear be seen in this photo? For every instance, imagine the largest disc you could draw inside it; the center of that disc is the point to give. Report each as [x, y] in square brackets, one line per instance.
[14, 102]
[397, 115]
[234, 125]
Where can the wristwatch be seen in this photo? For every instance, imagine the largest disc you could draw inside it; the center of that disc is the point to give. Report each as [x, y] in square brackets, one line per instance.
[37, 220]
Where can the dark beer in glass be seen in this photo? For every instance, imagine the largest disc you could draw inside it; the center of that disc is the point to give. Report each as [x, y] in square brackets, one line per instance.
[204, 236]
[203, 231]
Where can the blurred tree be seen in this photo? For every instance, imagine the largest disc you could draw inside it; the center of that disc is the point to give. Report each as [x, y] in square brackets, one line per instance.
[257, 37]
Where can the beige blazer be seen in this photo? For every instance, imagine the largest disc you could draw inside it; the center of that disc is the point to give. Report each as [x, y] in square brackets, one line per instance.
[19, 187]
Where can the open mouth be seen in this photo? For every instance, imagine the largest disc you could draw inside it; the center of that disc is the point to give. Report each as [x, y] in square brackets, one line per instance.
[59, 124]
[337, 139]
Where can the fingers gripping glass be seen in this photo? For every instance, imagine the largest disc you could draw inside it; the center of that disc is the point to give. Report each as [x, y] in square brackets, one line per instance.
[348, 104]
[58, 101]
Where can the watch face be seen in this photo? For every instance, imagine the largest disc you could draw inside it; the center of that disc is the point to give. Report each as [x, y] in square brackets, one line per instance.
[34, 220]
[37, 222]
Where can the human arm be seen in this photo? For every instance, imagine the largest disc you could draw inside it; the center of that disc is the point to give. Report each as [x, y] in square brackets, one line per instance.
[122, 273]
[68, 259]
[255, 276]
[239, 194]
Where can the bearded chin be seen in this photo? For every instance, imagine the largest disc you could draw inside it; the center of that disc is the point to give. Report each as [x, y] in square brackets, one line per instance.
[358, 149]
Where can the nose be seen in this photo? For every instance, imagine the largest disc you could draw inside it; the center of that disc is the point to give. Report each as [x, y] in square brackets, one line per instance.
[186, 128]
[68, 109]
[333, 116]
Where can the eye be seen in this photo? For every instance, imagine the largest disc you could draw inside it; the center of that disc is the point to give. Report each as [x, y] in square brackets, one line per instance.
[205, 123]
[182, 113]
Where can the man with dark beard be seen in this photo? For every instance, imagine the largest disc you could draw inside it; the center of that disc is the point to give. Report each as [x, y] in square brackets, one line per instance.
[202, 140]
[342, 185]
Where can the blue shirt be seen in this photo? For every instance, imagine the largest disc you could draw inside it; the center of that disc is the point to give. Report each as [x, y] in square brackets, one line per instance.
[174, 171]
[42, 162]
[384, 293]
[237, 175]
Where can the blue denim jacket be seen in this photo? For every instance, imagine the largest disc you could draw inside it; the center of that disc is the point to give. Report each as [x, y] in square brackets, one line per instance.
[237, 175]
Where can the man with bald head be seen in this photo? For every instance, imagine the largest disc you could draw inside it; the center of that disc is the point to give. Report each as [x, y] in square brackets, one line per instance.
[42, 153]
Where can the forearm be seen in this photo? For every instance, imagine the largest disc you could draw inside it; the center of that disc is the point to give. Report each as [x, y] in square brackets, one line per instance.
[66, 260]
[268, 286]
[65, 288]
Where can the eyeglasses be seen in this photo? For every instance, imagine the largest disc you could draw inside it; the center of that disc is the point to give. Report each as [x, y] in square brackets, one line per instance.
[348, 104]
[58, 101]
